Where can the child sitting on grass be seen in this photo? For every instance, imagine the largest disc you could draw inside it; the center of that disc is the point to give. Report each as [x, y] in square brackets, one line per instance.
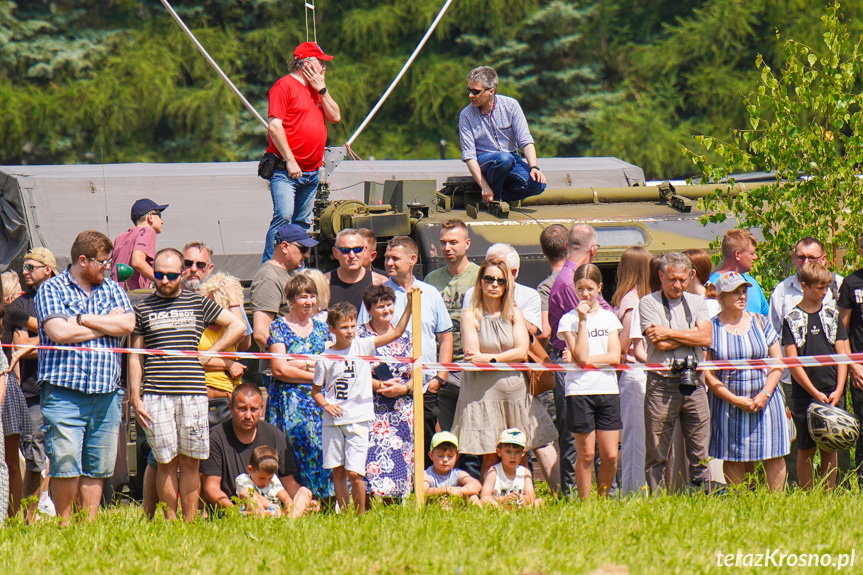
[507, 483]
[260, 486]
[442, 478]
[344, 390]
[814, 328]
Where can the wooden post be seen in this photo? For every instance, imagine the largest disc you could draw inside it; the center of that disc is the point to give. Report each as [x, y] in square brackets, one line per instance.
[417, 381]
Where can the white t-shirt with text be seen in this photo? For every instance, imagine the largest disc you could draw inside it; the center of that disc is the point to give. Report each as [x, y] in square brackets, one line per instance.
[348, 384]
[600, 326]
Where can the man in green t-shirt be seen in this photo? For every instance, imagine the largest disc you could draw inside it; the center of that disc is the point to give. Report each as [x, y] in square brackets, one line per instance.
[453, 281]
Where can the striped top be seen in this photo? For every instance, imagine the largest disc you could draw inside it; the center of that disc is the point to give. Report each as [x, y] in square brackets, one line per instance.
[174, 323]
[76, 369]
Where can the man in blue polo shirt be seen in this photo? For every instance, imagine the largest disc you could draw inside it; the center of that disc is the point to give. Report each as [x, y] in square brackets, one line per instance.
[490, 129]
[80, 390]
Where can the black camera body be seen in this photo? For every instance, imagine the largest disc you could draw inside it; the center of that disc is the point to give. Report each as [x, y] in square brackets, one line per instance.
[685, 369]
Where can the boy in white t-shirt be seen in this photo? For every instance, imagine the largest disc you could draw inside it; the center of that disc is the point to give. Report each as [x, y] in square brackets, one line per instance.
[592, 397]
[344, 390]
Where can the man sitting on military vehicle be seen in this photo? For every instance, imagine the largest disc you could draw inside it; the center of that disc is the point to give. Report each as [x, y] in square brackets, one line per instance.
[490, 128]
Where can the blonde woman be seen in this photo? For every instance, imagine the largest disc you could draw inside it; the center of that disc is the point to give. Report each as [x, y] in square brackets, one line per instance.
[493, 330]
[222, 374]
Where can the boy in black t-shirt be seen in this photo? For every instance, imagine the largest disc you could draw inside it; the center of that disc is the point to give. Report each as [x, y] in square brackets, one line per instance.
[850, 306]
[813, 328]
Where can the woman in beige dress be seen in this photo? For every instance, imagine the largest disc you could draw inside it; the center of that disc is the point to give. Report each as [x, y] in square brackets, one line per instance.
[493, 331]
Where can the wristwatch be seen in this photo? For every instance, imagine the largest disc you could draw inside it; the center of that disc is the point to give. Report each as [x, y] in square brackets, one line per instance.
[493, 360]
[532, 168]
[322, 91]
[78, 319]
[440, 380]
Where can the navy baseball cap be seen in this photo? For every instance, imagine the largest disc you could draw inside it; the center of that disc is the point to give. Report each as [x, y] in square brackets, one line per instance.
[293, 233]
[144, 206]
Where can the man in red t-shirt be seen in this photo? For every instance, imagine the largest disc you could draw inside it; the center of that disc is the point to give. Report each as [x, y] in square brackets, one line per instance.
[299, 105]
[136, 247]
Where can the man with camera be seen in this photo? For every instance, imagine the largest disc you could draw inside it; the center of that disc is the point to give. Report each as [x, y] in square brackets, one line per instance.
[676, 327]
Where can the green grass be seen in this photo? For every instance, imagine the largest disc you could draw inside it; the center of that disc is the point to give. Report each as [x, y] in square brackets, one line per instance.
[661, 535]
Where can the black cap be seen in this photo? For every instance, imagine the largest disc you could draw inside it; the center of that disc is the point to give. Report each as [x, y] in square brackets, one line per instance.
[144, 206]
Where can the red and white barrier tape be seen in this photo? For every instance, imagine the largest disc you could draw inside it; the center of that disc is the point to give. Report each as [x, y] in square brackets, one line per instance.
[803, 361]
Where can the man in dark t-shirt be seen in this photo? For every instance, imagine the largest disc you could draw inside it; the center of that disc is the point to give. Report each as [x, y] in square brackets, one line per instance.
[231, 447]
[850, 306]
[20, 327]
[351, 278]
[174, 386]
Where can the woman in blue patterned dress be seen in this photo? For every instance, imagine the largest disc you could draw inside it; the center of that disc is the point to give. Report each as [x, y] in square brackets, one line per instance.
[747, 416]
[389, 466]
[290, 406]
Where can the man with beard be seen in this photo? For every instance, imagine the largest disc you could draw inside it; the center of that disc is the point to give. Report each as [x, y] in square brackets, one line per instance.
[80, 390]
[174, 386]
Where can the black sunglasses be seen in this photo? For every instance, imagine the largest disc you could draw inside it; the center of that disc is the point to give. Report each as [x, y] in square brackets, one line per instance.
[190, 264]
[472, 92]
[356, 250]
[303, 249]
[172, 276]
[491, 280]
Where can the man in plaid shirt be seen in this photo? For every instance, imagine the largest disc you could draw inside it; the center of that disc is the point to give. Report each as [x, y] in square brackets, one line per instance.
[80, 390]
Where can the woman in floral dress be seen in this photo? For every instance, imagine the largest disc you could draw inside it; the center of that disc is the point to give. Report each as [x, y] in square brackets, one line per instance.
[389, 466]
[290, 406]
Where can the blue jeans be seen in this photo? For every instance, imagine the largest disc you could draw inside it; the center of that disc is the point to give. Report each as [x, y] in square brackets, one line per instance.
[81, 431]
[293, 201]
[508, 176]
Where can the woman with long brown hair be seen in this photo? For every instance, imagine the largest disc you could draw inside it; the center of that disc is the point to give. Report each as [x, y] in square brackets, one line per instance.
[633, 283]
[493, 330]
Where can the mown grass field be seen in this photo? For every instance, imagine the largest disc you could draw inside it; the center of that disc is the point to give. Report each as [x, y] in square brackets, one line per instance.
[675, 534]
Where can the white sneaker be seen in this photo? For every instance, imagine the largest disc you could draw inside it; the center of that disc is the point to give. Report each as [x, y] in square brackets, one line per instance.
[46, 506]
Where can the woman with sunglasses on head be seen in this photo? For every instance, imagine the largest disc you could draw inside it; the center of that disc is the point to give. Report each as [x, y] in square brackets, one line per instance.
[493, 330]
[290, 406]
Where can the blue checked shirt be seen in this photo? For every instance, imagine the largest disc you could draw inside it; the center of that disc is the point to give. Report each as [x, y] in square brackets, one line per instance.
[84, 371]
[501, 131]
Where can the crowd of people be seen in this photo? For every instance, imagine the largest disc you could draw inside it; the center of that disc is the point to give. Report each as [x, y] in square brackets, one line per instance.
[334, 433]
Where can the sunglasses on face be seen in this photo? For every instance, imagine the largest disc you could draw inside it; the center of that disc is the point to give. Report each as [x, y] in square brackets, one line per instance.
[102, 263]
[491, 280]
[472, 92]
[303, 249]
[172, 276]
[190, 264]
[31, 267]
[355, 250]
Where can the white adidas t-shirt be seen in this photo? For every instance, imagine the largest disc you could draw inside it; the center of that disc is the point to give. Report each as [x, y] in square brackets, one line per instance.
[348, 384]
[599, 326]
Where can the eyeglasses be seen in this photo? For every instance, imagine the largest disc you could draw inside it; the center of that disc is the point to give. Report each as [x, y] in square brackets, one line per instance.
[472, 92]
[491, 280]
[303, 249]
[190, 264]
[31, 267]
[172, 276]
[808, 258]
[102, 263]
[355, 250]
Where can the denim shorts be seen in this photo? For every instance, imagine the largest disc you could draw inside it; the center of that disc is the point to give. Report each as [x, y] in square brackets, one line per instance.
[81, 431]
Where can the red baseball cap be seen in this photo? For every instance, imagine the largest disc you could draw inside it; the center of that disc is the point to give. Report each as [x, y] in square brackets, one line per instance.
[310, 50]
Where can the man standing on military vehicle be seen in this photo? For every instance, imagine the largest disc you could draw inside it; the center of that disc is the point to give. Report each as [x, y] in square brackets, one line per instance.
[136, 247]
[299, 107]
[490, 130]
